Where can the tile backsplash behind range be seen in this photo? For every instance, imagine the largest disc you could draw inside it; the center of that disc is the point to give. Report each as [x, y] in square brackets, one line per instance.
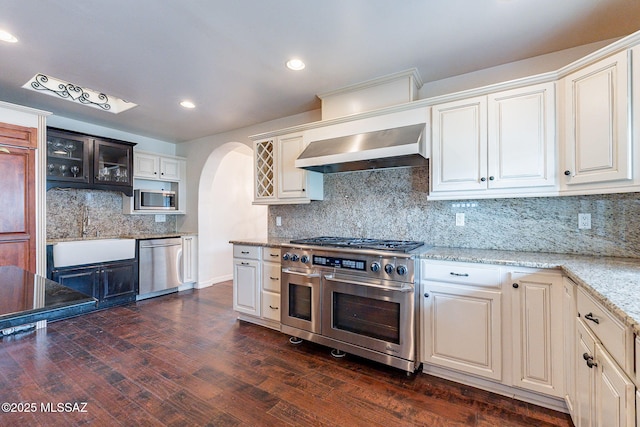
[392, 204]
[65, 209]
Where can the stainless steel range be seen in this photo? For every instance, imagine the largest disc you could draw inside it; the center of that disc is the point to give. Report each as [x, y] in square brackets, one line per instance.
[354, 295]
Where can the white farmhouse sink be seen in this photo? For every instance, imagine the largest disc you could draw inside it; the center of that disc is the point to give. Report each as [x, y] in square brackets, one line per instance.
[79, 252]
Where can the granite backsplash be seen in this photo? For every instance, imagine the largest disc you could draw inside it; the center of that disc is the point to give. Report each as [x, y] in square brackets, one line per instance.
[392, 204]
[64, 216]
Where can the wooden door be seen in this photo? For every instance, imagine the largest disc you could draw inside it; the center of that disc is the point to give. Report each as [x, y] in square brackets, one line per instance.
[17, 197]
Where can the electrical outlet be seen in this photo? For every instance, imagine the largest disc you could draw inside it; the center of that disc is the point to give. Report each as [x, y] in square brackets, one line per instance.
[278, 221]
[460, 219]
[161, 218]
[584, 221]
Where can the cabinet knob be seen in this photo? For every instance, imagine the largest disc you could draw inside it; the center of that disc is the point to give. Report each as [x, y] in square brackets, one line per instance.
[515, 286]
[483, 179]
[567, 173]
[426, 295]
[491, 178]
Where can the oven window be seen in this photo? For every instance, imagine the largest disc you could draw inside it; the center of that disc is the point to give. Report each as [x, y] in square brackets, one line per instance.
[367, 316]
[300, 302]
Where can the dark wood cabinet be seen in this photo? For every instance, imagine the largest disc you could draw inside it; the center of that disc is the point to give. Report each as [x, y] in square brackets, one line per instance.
[76, 160]
[17, 198]
[112, 283]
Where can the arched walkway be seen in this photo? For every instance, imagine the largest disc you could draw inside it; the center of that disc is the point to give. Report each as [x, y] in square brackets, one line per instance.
[225, 211]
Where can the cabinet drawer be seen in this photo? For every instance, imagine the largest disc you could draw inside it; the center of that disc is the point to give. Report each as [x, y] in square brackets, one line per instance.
[609, 330]
[271, 254]
[462, 273]
[271, 306]
[271, 277]
[251, 252]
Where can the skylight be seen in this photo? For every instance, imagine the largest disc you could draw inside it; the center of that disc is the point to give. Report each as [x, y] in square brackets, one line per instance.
[71, 92]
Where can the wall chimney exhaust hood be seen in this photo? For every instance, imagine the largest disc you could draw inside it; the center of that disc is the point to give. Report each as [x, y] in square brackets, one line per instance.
[388, 148]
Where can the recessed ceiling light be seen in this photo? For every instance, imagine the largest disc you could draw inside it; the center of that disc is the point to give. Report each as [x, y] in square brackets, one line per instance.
[7, 37]
[295, 64]
[188, 104]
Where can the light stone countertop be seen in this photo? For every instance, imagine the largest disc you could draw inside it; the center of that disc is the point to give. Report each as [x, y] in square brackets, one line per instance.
[615, 282]
[141, 236]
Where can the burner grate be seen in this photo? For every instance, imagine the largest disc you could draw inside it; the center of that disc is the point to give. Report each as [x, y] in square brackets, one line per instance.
[361, 243]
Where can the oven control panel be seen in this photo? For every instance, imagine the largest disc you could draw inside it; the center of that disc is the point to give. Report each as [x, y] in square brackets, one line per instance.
[383, 267]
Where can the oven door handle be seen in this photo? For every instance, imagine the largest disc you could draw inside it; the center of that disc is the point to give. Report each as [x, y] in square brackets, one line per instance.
[403, 288]
[307, 275]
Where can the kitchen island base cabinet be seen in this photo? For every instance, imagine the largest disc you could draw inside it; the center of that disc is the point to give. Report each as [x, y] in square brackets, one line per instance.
[110, 283]
[256, 284]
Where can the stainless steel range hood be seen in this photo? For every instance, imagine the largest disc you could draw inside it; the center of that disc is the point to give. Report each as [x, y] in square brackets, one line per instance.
[389, 148]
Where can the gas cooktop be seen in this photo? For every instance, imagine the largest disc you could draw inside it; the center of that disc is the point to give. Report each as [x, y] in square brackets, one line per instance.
[360, 243]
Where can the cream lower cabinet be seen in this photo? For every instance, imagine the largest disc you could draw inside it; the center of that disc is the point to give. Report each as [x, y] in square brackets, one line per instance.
[537, 334]
[461, 318]
[189, 259]
[569, 313]
[605, 395]
[256, 284]
[246, 280]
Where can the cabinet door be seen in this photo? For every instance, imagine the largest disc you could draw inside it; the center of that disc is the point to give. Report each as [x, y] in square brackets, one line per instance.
[112, 163]
[585, 376]
[265, 169]
[146, 165]
[522, 137]
[118, 280]
[615, 399]
[598, 144]
[169, 169]
[246, 288]
[189, 259]
[459, 147]
[17, 212]
[569, 345]
[292, 181]
[537, 332]
[83, 279]
[462, 329]
[68, 157]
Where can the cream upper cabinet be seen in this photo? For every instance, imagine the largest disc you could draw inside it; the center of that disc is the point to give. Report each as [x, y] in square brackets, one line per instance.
[157, 167]
[277, 180]
[292, 181]
[522, 137]
[597, 140]
[537, 334]
[494, 145]
[459, 145]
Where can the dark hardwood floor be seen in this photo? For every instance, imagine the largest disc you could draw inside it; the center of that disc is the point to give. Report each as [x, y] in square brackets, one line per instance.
[185, 360]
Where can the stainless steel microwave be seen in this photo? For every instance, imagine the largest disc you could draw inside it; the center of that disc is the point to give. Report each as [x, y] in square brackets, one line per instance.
[154, 200]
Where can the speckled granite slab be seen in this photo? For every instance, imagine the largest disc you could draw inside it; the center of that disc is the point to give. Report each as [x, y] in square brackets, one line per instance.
[271, 242]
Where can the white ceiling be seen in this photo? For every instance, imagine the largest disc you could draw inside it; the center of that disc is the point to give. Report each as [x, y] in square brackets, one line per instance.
[228, 56]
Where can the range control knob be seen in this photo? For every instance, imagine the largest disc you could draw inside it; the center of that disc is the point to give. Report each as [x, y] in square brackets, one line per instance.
[304, 259]
[375, 267]
[295, 257]
[286, 256]
[389, 268]
[402, 270]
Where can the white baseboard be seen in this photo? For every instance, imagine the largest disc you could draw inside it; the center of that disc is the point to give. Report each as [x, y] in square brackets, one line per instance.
[213, 281]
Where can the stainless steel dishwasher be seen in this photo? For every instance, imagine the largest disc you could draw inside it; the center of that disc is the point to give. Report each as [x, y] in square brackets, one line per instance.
[160, 272]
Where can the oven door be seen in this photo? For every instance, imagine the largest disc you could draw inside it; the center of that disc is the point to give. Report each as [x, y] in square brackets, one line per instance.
[300, 300]
[370, 315]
